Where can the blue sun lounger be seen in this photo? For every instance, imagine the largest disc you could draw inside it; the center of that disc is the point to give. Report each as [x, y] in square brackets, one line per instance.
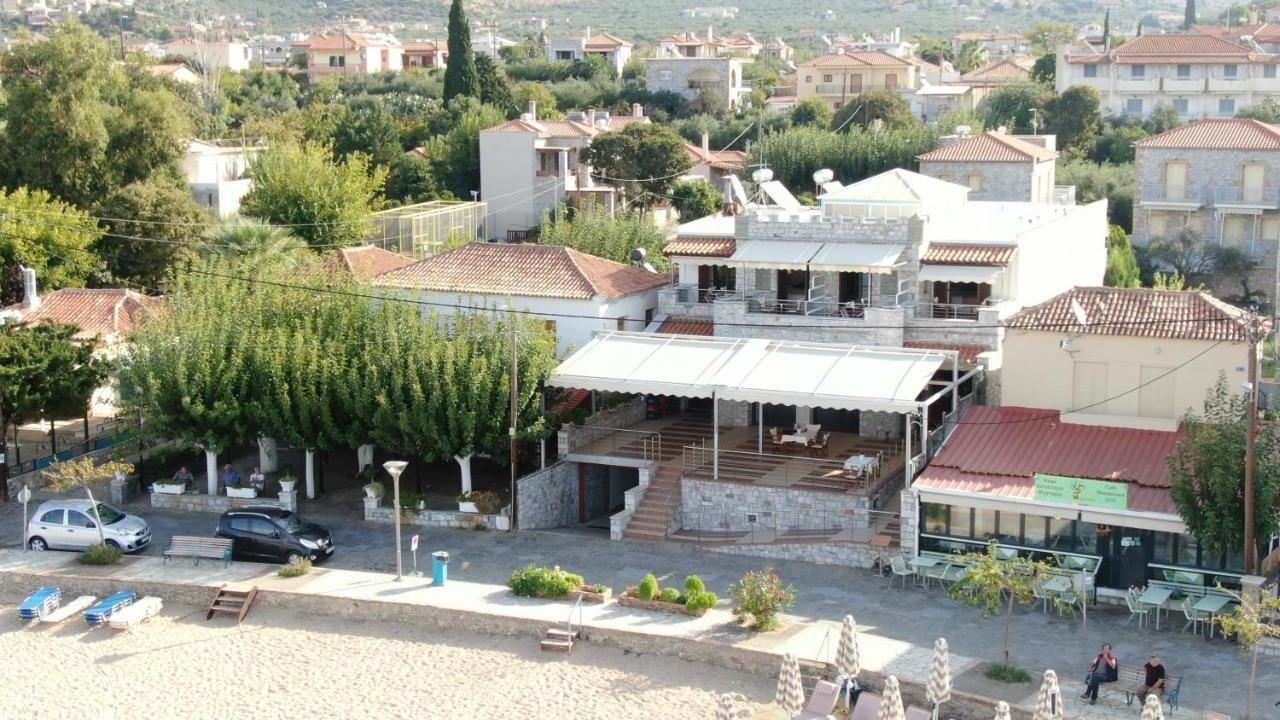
[40, 603]
[101, 613]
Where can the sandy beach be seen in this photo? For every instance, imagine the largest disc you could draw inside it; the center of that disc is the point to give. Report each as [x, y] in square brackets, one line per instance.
[280, 664]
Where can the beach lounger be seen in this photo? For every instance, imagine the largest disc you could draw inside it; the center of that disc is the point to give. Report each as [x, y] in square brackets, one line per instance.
[101, 613]
[131, 617]
[915, 713]
[75, 607]
[822, 702]
[40, 603]
[867, 707]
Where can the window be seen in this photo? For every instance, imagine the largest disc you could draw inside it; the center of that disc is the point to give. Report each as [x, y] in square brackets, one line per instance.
[1086, 537]
[1268, 71]
[1009, 527]
[808, 78]
[1180, 104]
[828, 78]
[53, 517]
[622, 323]
[1230, 72]
[75, 518]
[975, 182]
[263, 527]
[1138, 71]
[891, 81]
[1059, 534]
[240, 523]
[337, 61]
[648, 316]
[1091, 71]
[1184, 72]
[664, 75]
[1133, 106]
[984, 524]
[564, 54]
[960, 525]
[935, 518]
[1226, 106]
[855, 84]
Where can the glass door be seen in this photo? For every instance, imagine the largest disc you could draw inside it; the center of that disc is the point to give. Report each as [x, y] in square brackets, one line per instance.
[1126, 564]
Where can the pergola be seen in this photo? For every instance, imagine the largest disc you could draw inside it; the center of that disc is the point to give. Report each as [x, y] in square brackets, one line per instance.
[815, 375]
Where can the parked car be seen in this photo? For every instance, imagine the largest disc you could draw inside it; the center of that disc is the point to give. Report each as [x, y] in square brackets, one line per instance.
[70, 525]
[272, 534]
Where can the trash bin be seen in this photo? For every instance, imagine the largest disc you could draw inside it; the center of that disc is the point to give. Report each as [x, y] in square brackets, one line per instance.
[439, 568]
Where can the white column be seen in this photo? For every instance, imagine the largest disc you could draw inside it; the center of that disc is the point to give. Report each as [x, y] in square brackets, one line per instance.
[364, 456]
[268, 454]
[715, 437]
[211, 469]
[311, 474]
[907, 449]
[759, 428]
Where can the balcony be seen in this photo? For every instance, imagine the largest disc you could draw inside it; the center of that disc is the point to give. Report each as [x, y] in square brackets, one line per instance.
[766, 303]
[1250, 200]
[1186, 84]
[692, 301]
[831, 89]
[1175, 197]
[1063, 195]
[1138, 83]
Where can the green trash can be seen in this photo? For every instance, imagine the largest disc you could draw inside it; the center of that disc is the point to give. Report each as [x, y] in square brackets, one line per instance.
[439, 568]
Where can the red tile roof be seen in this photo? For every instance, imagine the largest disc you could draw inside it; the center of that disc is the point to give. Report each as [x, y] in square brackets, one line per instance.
[343, 41]
[366, 261]
[968, 254]
[1001, 71]
[523, 270]
[1227, 134]
[688, 327]
[968, 353]
[1140, 312]
[97, 312]
[731, 160]
[989, 146]
[1176, 48]
[999, 450]
[564, 128]
[1266, 32]
[860, 58]
[605, 41]
[701, 247]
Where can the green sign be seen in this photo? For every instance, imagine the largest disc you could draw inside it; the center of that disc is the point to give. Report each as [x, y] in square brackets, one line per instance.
[1078, 491]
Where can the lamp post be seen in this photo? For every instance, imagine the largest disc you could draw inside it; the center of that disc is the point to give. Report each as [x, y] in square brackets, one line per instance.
[394, 468]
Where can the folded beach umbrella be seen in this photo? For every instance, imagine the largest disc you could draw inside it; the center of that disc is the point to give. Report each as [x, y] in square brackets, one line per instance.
[891, 701]
[1049, 701]
[848, 662]
[731, 706]
[790, 695]
[939, 689]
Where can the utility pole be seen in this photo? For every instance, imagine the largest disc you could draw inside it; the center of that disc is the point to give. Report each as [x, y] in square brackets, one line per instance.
[515, 384]
[1254, 329]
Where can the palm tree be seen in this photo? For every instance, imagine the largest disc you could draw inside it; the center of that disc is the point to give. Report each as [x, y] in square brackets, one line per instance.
[972, 56]
[263, 243]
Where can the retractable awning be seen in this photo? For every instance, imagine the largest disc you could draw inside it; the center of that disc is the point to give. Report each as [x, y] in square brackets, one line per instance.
[960, 273]
[856, 257]
[841, 377]
[774, 254]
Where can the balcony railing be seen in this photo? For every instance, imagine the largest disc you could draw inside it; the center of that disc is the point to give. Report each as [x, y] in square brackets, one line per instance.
[766, 303]
[949, 311]
[1164, 193]
[842, 90]
[692, 294]
[1064, 195]
[1257, 197]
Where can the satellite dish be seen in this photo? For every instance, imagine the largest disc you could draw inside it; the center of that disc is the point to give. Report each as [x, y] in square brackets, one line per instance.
[761, 175]
[1078, 311]
[823, 176]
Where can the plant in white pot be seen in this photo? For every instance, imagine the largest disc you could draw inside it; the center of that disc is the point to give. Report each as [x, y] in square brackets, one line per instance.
[287, 483]
[467, 502]
[374, 490]
[242, 490]
[169, 487]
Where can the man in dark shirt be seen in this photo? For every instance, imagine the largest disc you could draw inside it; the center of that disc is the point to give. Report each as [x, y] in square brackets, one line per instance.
[1104, 668]
[1154, 682]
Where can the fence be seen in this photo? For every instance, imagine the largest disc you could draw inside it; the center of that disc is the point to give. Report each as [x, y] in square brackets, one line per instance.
[615, 442]
[782, 471]
[424, 229]
[108, 434]
[759, 527]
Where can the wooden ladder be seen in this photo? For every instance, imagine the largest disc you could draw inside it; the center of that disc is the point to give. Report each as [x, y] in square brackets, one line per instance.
[558, 640]
[234, 602]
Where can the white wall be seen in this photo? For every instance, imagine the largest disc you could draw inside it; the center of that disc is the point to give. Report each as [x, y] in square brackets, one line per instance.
[1061, 254]
[508, 163]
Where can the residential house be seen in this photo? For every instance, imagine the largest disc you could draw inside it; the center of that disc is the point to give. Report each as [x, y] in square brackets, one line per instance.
[365, 262]
[423, 54]
[928, 72]
[740, 43]
[778, 50]
[890, 42]
[1266, 36]
[529, 166]
[352, 53]
[221, 54]
[931, 100]
[177, 72]
[1199, 75]
[998, 73]
[572, 293]
[995, 43]
[1216, 179]
[690, 45]
[714, 166]
[693, 77]
[612, 48]
[997, 166]
[217, 173]
[838, 78]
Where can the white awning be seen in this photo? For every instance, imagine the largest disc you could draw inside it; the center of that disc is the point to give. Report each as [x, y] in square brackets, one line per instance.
[842, 377]
[774, 254]
[960, 273]
[856, 257]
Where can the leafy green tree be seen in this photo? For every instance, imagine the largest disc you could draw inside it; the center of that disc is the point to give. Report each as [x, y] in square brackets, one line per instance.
[411, 180]
[1186, 253]
[1075, 116]
[642, 158]
[1045, 37]
[366, 127]
[1094, 182]
[258, 93]
[256, 244]
[327, 203]
[1189, 15]
[947, 122]
[884, 106]
[538, 93]
[48, 235]
[694, 199]
[1207, 471]
[1045, 69]
[1163, 118]
[460, 76]
[794, 154]
[600, 234]
[1267, 111]
[812, 112]
[45, 373]
[1115, 145]
[148, 137]
[150, 226]
[458, 164]
[495, 90]
[1018, 106]
[1252, 619]
[936, 50]
[972, 55]
[993, 584]
[1122, 263]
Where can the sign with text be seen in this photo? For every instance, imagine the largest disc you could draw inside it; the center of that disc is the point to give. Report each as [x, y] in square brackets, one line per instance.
[1079, 491]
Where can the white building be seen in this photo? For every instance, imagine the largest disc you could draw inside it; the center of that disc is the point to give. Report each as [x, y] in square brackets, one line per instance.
[351, 53]
[691, 77]
[217, 173]
[612, 48]
[1198, 74]
[573, 293]
[228, 55]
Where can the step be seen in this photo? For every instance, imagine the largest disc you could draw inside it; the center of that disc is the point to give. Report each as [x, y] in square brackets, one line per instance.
[228, 610]
[561, 634]
[556, 645]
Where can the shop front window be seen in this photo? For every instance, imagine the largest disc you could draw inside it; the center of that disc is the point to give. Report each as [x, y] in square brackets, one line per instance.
[1009, 528]
[1059, 535]
[1162, 551]
[1087, 536]
[984, 524]
[960, 525]
[1034, 529]
[1188, 550]
[935, 519]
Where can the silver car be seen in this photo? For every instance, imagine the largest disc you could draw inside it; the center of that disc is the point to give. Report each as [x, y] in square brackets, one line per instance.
[70, 525]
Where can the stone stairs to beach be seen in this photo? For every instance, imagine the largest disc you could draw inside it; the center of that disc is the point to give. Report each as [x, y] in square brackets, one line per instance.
[653, 516]
[558, 640]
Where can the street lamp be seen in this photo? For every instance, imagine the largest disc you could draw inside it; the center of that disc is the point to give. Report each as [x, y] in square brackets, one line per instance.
[394, 468]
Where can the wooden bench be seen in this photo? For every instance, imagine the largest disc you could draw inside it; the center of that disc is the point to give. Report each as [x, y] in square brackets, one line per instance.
[199, 548]
[1131, 680]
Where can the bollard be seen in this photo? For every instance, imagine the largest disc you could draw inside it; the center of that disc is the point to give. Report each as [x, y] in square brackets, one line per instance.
[439, 568]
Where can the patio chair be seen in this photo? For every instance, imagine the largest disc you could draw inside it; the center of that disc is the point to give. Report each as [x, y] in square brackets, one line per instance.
[775, 440]
[867, 707]
[1042, 596]
[1069, 600]
[1194, 617]
[902, 570]
[822, 702]
[1135, 609]
[820, 447]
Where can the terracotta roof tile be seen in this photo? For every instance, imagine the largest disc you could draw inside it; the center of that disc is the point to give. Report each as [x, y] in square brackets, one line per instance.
[860, 58]
[688, 327]
[605, 41]
[524, 270]
[1227, 134]
[1001, 71]
[968, 254]
[989, 146]
[366, 261]
[97, 312]
[1176, 48]
[701, 247]
[733, 160]
[1142, 312]
[968, 353]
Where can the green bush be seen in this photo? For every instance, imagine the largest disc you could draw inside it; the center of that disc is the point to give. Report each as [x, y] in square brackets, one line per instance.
[701, 601]
[302, 567]
[670, 595]
[648, 587]
[102, 555]
[761, 596]
[694, 585]
[532, 581]
[1007, 673]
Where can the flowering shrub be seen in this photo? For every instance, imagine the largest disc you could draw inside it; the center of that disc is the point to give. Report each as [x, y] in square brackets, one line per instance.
[762, 596]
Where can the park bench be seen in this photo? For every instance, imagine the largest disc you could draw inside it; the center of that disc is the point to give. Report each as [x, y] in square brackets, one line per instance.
[1130, 681]
[199, 548]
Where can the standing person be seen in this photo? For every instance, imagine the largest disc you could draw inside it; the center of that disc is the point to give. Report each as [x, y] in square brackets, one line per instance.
[1105, 668]
[1154, 682]
[230, 476]
[257, 479]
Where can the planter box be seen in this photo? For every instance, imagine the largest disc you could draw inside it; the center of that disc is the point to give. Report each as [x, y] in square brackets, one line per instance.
[501, 522]
[287, 485]
[169, 488]
[589, 596]
[248, 493]
[628, 599]
[467, 507]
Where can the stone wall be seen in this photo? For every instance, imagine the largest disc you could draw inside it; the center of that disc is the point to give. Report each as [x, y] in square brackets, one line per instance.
[881, 425]
[1002, 181]
[710, 506]
[374, 513]
[881, 326]
[548, 498]
[844, 554]
[200, 502]
[623, 415]
[908, 521]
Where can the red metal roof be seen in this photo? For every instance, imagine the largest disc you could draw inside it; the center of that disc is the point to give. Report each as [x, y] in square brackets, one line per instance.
[1141, 499]
[968, 254]
[968, 353]
[688, 327]
[701, 247]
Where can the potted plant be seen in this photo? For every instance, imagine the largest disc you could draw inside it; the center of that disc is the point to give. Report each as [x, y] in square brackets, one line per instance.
[373, 489]
[760, 597]
[412, 502]
[467, 502]
[242, 490]
[487, 503]
[695, 600]
[591, 593]
[287, 482]
[169, 487]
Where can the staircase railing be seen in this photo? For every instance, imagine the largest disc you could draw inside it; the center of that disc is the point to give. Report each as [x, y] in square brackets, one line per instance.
[577, 607]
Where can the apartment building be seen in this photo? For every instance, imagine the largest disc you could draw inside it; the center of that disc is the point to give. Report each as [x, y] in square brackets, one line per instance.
[691, 77]
[1000, 167]
[837, 78]
[612, 48]
[352, 53]
[1200, 75]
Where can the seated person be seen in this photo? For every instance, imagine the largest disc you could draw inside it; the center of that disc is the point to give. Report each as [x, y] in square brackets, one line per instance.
[183, 475]
[1154, 682]
[258, 479]
[1105, 668]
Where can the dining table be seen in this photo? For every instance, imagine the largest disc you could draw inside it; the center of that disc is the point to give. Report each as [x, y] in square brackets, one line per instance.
[1212, 604]
[1058, 585]
[860, 464]
[1156, 597]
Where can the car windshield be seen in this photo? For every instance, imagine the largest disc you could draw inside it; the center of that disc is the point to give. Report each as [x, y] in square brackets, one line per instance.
[294, 523]
[109, 514]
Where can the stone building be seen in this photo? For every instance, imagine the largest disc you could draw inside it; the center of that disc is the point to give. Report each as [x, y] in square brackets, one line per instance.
[691, 77]
[996, 166]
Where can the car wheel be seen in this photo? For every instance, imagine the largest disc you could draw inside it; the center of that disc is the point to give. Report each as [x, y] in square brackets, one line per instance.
[114, 544]
[294, 558]
[37, 544]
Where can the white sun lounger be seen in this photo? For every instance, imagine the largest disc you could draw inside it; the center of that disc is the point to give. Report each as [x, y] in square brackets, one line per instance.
[75, 607]
[132, 616]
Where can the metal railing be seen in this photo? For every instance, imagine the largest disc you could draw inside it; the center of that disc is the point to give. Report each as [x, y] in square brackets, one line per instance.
[1190, 194]
[747, 526]
[1253, 196]
[692, 294]
[789, 471]
[615, 442]
[107, 436]
[950, 311]
[766, 303]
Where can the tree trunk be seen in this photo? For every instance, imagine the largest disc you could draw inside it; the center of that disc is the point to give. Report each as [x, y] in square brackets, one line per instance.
[97, 516]
[311, 474]
[1008, 625]
[268, 455]
[465, 464]
[4, 464]
[211, 469]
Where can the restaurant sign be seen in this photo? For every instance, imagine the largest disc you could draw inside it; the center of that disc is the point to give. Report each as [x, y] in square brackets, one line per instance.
[1078, 491]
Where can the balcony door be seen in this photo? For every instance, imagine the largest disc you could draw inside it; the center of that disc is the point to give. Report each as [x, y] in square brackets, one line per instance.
[1175, 181]
[1252, 177]
[855, 84]
[793, 285]
[855, 287]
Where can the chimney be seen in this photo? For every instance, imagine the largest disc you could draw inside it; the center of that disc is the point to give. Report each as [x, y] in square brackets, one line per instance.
[533, 110]
[591, 117]
[706, 146]
[710, 36]
[637, 110]
[1253, 14]
[586, 38]
[30, 299]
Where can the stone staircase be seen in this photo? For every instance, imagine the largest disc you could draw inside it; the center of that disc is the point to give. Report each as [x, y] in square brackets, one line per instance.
[652, 518]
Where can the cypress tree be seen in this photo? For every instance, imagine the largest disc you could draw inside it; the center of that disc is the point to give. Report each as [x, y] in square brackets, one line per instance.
[460, 77]
[1189, 16]
[1106, 32]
